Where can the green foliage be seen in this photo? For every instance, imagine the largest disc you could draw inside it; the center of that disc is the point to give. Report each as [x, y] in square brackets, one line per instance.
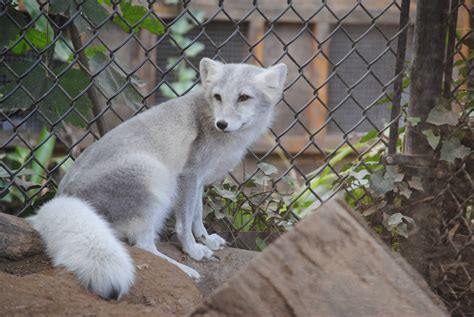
[398, 224]
[253, 207]
[23, 172]
[440, 115]
[444, 137]
[58, 92]
[38, 37]
[413, 121]
[42, 155]
[325, 180]
[10, 23]
[433, 140]
[452, 149]
[60, 89]
[38, 82]
[135, 17]
[114, 82]
[261, 244]
[185, 75]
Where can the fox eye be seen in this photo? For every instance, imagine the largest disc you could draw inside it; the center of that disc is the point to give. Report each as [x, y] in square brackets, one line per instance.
[243, 98]
[218, 97]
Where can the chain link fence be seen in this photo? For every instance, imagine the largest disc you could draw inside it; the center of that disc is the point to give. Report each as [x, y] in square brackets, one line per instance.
[72, 70]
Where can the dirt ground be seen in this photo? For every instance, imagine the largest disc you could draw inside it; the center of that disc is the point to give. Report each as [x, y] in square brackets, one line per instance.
[32, 287]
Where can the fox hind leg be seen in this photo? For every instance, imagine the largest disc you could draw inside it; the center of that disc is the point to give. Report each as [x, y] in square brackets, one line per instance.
[144, 238]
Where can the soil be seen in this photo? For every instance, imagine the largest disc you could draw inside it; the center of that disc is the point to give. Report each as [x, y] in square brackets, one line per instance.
[31, 287]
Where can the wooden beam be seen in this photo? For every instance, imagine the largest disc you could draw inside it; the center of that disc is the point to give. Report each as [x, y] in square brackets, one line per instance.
[320, 72]
[464, 27]
[256, 33]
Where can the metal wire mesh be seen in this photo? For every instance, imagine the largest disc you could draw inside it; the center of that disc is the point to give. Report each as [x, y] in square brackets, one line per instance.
[72, 70]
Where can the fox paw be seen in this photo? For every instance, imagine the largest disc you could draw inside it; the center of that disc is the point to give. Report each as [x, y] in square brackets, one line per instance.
[214, 242]
[192, 273]
[199, 252]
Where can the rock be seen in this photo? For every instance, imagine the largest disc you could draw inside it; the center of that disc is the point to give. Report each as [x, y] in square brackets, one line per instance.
[330, 264]
[18, 239]
[30, 286]
[161, 289]
[213, 273]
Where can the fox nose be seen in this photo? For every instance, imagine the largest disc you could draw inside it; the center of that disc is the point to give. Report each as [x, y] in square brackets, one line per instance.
[221, 124]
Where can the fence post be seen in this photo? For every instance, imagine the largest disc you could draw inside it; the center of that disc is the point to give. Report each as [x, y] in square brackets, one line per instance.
[427, 70]
[425, 90]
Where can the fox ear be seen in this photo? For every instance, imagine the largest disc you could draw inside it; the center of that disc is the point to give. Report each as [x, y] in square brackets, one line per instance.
[272, 80]
[209, 70]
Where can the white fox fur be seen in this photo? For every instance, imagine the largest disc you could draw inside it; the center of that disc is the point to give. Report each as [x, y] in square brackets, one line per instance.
[77, 238]
[156, 164]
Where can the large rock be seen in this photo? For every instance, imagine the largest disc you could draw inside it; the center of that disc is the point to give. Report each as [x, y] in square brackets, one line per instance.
[29, 286]
[18, 239]
[213, 273]
[161, 289]
[330, 264]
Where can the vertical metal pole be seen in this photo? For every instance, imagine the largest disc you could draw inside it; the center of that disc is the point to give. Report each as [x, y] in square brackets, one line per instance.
[399, 67]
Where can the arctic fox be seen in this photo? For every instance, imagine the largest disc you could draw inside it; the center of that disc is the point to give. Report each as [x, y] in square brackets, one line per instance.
[124, 186]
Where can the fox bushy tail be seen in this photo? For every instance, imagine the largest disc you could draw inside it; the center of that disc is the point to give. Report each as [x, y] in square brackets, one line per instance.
[77, 238]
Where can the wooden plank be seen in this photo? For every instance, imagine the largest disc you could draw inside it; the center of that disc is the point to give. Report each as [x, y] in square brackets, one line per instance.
[464, 27]
[255, 33]
[321, 69]
[330, 264]
[272, 9]
[293, 144]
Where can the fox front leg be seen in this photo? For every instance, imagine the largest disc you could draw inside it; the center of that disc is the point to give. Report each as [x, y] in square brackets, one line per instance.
[184, 212]
[213, 241]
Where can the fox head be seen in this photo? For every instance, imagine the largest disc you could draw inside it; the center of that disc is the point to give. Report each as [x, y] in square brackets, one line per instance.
[241, 95]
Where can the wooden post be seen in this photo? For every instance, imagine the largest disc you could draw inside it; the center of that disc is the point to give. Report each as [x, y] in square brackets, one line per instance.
[425, 91]
[255, 35]
[427, 70]
[321, 69]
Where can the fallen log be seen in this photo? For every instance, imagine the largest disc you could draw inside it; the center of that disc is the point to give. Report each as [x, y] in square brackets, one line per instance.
[330, 264]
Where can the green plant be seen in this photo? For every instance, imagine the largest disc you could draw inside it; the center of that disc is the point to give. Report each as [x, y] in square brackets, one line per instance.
[185, 75]
[326, 180]
[23, 172]
[258, 205]
[58, 90]
[52, 82]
